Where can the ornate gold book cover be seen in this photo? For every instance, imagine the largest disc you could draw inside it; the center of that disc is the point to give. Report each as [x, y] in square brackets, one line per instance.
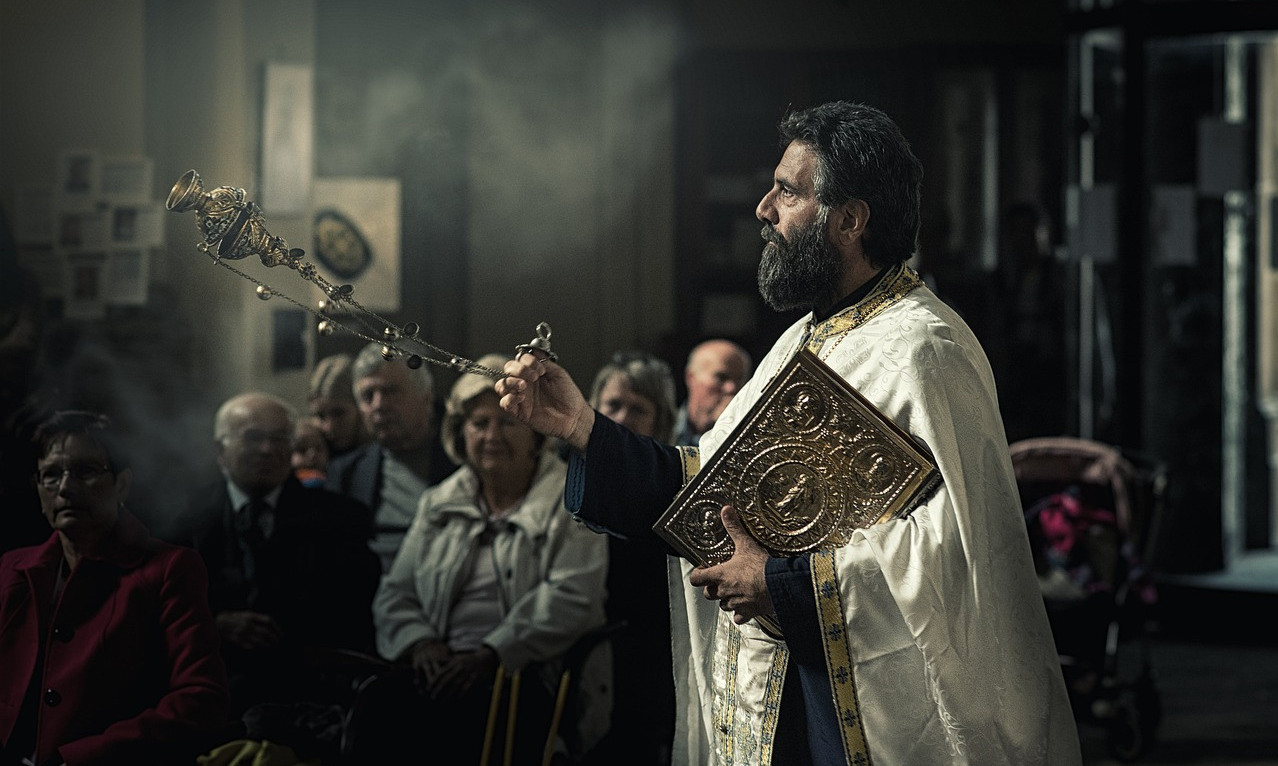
[811, 461]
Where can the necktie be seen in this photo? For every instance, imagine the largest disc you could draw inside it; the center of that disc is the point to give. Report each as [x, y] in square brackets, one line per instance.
[248, 525]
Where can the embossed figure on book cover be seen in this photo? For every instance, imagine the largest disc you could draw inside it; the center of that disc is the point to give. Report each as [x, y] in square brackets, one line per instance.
[811, 461]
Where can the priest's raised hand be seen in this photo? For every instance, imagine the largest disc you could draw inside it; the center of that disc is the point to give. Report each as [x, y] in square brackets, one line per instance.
[542, 394]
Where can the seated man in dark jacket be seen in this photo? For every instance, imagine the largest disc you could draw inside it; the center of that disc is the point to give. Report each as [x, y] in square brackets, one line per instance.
[405, 458]
[289, 566]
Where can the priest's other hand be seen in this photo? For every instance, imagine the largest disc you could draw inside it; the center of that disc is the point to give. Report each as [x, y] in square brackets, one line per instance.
[543, 395]
[738, 584]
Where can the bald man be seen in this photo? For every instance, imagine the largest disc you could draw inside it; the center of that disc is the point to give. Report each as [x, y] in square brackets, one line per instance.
[715, 371]
[289, 566]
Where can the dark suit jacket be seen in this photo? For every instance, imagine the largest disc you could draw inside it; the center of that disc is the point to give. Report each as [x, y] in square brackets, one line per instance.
[358, 473]
[125, 662]
[315, 575]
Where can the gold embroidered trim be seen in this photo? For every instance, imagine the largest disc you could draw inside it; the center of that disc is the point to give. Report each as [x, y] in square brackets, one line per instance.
[894, 286]
[727, 722]
[689, 462]
[772, 702]
[737, 741]
[838, 657]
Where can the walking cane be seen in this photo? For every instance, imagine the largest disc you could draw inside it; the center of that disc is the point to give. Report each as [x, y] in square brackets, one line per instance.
[493, 702]
[510, 719]
[561, 699]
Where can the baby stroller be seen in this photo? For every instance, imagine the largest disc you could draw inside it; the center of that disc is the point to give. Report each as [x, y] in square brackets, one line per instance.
[1091, 512]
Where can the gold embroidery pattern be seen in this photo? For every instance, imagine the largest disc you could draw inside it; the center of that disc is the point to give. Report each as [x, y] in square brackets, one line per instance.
[838, 658]
[689, 462]
[726, 720]
[895, 285]
[735, 739]
[772, 702]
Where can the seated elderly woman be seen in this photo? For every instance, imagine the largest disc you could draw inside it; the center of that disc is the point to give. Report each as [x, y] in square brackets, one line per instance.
[494, 573]
[637, 390]
[109, 650]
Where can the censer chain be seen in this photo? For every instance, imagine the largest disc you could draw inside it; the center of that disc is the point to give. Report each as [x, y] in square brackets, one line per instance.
[453, 361]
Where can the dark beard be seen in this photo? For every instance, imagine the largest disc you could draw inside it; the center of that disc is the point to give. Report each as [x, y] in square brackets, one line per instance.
[804, 273]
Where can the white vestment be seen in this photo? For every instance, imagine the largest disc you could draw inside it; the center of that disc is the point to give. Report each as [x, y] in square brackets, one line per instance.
[952, 656]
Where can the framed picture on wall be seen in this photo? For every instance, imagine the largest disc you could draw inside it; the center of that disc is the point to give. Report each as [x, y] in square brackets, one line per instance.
[79, 179]
[136, 224]
[84, 283]
[289, 328]
[79, 230]
[288, 138]
[355, 232]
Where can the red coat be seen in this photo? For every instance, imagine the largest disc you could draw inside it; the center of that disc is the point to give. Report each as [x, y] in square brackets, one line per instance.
[131, 671]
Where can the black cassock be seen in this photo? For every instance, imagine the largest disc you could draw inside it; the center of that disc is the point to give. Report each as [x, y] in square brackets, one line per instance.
[621, 486]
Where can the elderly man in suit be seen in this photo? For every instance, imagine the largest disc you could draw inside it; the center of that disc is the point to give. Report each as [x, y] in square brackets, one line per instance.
[289, 566]
[716, 370]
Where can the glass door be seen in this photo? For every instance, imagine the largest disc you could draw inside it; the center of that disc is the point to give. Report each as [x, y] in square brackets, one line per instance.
[1170, 215]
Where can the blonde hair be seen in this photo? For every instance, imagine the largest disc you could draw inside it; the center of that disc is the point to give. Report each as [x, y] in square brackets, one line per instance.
[467, 388]
[332, 378]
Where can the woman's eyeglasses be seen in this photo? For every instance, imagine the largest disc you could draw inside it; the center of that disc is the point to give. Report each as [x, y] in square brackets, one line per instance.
[88, 475]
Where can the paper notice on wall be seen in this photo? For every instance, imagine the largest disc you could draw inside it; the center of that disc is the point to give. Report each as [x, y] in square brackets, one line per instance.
[288, 139]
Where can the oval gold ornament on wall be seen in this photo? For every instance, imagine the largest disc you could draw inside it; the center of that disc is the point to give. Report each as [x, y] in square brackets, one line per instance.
[340, 246]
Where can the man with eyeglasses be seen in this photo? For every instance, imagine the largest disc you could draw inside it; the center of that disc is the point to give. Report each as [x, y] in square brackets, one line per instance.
[108, 650]
[289, 566]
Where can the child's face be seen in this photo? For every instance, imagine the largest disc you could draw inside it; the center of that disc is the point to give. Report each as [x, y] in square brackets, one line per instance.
[310, 450]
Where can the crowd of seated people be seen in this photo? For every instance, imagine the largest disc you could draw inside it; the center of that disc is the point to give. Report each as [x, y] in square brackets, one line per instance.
[428, 543]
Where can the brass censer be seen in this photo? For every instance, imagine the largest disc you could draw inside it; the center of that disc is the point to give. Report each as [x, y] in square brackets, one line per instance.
[234, 228]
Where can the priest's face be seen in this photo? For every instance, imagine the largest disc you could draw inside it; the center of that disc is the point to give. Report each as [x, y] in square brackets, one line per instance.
[800, 267]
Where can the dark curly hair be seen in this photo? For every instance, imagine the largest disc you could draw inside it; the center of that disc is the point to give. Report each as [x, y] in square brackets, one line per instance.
[861, 154]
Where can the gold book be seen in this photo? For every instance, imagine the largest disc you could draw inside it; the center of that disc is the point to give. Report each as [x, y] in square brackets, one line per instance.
[811, 461]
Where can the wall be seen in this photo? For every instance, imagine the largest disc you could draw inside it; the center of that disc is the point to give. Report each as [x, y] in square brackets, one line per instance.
[535, 147]
[571, 179]
[533, 143]
[48, 100]
[864, 24]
